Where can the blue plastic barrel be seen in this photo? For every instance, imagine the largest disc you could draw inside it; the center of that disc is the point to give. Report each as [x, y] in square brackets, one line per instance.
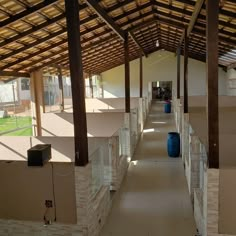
[173, 144]
[167, 107]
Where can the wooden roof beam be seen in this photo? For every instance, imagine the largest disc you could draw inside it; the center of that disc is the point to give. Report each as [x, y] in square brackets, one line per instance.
[32, 30]
[60, 32]
[61, 16]
[14, 74]
[52, 62]
[221, 11]
[28, 11]
[195, 31]
[143, 24]
[196, 11]
[231, 66]
[59, 66]
[137, 43]
[103, 14]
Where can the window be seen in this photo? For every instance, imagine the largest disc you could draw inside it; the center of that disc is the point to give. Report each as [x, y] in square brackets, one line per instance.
[25, 84]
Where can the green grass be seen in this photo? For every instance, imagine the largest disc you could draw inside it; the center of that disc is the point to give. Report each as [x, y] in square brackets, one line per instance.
[11, 123]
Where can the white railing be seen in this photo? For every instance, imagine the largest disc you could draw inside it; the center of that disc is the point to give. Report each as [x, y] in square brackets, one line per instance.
[124, 141]
[202, 167]
[186, 130]
[97, 161]
[134, 126]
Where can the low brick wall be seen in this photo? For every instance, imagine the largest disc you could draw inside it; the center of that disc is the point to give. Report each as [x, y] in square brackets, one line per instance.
[92, 212]
[206, 207]
[27, 228]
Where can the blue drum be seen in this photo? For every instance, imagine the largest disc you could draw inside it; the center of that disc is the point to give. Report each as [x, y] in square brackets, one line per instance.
[173, 144]
[167, 107]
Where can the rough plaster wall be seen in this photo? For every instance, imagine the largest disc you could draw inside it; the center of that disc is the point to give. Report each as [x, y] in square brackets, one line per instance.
[231, 82]
[159, 66]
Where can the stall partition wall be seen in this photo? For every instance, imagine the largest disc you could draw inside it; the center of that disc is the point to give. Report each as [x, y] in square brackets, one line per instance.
[213, 187]
[93, 104]
[104, 105]
[24, 182]
[98, 125]
[25, 189]
[201, 101]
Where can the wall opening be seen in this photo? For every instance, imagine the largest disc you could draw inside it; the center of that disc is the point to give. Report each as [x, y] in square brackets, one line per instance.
[162, 90]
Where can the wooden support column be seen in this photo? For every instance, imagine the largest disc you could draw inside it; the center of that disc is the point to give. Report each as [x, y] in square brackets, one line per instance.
[60, 80]
[178, 72]
[127, 74]
[185, 71]
[91, 85]
[141, 76]
[212, 8]
[37, 100]
[77, 82]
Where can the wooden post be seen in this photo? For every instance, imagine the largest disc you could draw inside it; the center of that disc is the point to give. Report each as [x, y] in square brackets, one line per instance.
[77, 82]
[178, 72]
[141, 76]
[185, 72]
[37, 100]
[43, 100]
[91, 85]
[127, 74]
[212, 7]
[60, 80]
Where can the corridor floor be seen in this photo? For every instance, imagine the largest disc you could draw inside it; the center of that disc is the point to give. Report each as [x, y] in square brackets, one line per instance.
[153, 199]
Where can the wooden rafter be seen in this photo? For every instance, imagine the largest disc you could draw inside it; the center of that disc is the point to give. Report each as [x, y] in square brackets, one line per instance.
[104, 16]
[14, 74]
[28, 11]
[231, 66]
[138, 44]
[196, 11]
[40, 42]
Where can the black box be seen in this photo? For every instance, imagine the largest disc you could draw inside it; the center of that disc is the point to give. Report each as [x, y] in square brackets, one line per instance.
[39, 154]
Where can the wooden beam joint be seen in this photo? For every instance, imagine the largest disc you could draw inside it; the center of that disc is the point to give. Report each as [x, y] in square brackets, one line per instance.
[104, 16]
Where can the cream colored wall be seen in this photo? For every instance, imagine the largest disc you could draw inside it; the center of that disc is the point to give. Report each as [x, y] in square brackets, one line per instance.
[201, 101]
[116, 104]
[24, 191]
[227, 203]
[62, 148]
[227, 149]
[98, 124]
[231, 82]
[159, 66]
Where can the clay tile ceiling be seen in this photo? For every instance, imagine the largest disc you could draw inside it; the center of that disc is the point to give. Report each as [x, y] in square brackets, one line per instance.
[33, 32]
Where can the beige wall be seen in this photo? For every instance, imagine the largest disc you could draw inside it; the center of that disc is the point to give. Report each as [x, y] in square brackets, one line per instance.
[109, 103]
[201, 101]
[24, 191]
[227, 203]
[231, 82]
[15, 148]
[159, 66]
[98, 124]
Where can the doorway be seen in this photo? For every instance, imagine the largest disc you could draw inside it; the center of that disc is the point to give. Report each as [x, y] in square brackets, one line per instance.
[162, 90]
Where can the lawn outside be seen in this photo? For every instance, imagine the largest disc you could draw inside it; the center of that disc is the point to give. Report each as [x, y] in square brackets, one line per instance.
[14, 122]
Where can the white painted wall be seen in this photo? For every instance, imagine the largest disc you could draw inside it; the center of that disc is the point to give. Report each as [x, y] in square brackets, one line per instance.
[159, 66]
[231, 82]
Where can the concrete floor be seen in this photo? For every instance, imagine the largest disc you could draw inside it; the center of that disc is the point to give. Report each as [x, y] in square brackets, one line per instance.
[153, 199]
